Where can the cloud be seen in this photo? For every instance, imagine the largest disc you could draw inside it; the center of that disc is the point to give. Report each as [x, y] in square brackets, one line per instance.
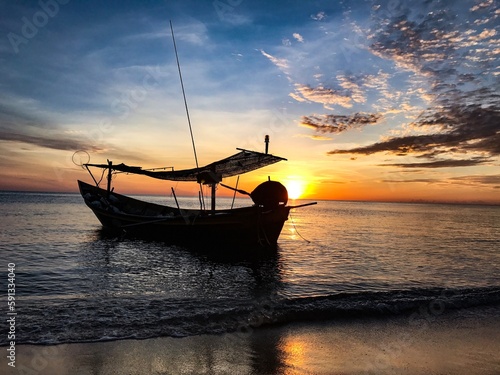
[459, 61]
[299, 37]
[13, 115]
[472, 128]
[282, 64]
[431, 39]
[415, 180]
[21, 121]
[339, 123]
[345, 90]
[320, 16]
[323, 95]
[479, 180]
[320, 138]
[195, 33]
[437, 41]
[352, 87]
[440, 163]
[318, 74]
[475, 180]
[314, 137]
[56, 143]
[332, 182]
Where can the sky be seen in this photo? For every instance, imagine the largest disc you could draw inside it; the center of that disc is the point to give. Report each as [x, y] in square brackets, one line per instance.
[368, 100]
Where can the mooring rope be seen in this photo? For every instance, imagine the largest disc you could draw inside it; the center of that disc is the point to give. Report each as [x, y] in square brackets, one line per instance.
[295, 228]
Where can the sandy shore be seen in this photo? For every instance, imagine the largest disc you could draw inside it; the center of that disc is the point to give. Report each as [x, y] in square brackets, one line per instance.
[454, 344]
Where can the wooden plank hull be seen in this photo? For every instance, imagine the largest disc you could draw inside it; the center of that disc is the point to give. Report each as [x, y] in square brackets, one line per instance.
[240, 227]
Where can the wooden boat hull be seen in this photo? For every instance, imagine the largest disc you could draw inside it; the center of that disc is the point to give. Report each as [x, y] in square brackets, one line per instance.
[248, 226]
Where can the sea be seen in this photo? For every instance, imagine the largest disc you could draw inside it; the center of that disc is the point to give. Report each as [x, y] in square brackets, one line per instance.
[336, 260]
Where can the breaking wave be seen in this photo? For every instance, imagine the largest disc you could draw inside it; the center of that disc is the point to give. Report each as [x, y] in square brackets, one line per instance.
[101, 319]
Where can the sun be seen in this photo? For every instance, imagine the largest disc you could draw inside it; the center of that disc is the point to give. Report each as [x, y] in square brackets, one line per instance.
[295, 189]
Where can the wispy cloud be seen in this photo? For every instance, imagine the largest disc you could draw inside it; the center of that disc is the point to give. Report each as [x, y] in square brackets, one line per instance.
[318, 16]
[59, 142]
[22, 121]
[194, 32]
[468, 180]
[322, 95]
[413, 180]
[279, 62]
[440, 163]
[339, 123]
[477, 180]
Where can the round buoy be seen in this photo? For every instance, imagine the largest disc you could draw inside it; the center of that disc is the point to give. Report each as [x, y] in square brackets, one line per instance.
[270, 194]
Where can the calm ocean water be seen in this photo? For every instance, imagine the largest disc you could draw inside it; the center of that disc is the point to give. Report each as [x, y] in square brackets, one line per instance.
[73, 284]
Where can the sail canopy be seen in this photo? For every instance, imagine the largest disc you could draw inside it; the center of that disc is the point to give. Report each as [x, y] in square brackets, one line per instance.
[242, 162]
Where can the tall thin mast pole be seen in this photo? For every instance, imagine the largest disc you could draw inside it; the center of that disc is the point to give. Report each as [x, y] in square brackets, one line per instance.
[184, 96]
[186, 105]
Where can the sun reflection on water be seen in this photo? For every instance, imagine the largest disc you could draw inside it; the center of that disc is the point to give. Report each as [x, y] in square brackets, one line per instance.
[294, 354]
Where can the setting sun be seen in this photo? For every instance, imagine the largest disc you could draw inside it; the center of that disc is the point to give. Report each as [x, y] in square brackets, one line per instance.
[295, 189]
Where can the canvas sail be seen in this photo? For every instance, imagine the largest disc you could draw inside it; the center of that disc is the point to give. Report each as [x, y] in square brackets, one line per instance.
[242, 162]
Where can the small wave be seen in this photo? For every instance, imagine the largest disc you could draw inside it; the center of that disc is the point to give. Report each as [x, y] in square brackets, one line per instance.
[379, 304]
[92, 320]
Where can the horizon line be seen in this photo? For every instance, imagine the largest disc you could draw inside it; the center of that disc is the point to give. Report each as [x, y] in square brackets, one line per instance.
[410, 201]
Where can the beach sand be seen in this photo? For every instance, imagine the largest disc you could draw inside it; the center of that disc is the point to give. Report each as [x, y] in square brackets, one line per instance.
[456, 343]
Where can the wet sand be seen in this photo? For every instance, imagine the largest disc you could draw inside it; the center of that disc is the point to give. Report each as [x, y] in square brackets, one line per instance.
[459, 343]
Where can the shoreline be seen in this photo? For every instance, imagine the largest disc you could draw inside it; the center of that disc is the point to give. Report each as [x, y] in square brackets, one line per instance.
[463, 342]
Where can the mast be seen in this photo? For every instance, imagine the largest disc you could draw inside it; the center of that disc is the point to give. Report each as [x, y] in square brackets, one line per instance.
[184, 96]
[212, 198]
[188, 118]
[108, 189]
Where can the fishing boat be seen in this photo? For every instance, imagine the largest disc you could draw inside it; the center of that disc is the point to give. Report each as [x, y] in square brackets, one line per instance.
[259, 224]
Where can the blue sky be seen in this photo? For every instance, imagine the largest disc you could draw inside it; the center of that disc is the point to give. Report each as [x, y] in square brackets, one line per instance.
[384, 100]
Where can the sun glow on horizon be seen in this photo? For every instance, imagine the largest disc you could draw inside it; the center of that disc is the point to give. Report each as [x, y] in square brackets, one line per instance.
[295, 189]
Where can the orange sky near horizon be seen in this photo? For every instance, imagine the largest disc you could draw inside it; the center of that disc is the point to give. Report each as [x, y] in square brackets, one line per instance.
[62, 177]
